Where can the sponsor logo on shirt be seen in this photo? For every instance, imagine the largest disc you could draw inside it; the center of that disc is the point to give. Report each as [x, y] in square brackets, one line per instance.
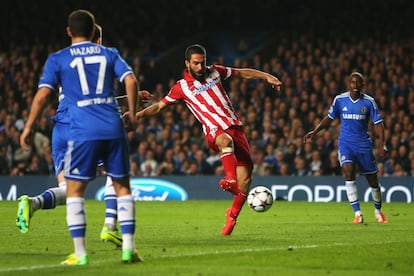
[205, 86]
[354, 116]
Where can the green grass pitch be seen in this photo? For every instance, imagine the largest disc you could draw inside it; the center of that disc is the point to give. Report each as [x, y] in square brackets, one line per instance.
[184, 238]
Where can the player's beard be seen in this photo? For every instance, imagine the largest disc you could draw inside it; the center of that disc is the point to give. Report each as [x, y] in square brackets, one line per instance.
[200, 75]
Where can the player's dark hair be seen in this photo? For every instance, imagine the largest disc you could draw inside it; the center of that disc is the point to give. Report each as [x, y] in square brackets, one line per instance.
[194, 49]
[97, 34]
[81, 23]
[358, 74]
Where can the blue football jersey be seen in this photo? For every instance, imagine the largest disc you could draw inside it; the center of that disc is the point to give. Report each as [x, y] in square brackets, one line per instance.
[354, 116]
[86, 72]
[61, 116]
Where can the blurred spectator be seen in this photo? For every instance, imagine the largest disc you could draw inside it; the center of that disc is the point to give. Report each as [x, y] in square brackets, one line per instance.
[280, 157]
[135, 171]
[399, 170]
[315, 166]
[165, 138]
[308, 152]
[270, 157]
[402, 157]
[139, 156]
[149, 166]
[289, 157]
[203, 167]
[300, 168]
[4, 164]
[167, 165]
[411, 172]
[312, 73]
[213, 159]
[260, 167]
[331, 165]
[40, 141]
[381, 170]
[284, 170]
[19, 169]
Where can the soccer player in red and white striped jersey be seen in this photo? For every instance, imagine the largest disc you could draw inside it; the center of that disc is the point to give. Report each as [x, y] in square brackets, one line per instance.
[202, 91]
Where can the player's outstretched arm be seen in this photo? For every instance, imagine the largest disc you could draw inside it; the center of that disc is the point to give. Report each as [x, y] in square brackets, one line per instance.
[144, 96]
[322, 125]
[39, 102]
[248, 73]
[151, 110]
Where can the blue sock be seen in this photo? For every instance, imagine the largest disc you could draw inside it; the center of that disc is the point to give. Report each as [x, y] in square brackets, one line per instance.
[50, 198]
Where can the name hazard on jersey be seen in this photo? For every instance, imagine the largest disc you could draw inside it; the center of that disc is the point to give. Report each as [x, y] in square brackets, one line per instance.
[85, 50]
[87, 102]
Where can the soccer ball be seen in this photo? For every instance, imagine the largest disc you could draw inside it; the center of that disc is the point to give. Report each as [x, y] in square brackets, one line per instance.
[260, 199]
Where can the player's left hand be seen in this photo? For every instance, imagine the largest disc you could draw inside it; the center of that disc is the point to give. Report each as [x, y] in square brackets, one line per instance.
[308, 136]
[275, 82]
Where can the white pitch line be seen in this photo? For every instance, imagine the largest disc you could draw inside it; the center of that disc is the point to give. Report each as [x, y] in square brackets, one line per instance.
[245, 250]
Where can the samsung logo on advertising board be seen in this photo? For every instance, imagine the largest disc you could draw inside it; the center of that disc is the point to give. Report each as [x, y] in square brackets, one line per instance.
[151, 189]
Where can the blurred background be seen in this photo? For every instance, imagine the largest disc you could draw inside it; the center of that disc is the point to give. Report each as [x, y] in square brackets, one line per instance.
[312, 46]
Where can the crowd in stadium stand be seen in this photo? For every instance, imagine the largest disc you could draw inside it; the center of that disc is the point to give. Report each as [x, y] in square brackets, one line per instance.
[312, 67]
[172, 143]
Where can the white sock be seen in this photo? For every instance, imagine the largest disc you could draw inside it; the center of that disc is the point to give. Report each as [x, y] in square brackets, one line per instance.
[60, 195]
[111, 212]
[352, 193]
[377, 198]
[61, 198]
[126, 217]
[50, 198]
[37, 203]
[76, 220]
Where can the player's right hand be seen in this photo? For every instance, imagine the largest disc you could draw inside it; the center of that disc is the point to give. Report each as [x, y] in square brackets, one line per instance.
[128, 124]
[26, 138]
[139, 114]
[308, 136]
[145, 96]
[383, 152]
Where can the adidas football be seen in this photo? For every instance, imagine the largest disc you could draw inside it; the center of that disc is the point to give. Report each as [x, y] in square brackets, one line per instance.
[260, 199]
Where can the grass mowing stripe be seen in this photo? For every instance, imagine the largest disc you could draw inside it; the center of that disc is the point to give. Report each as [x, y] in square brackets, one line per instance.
[195, 254]
[184, 238]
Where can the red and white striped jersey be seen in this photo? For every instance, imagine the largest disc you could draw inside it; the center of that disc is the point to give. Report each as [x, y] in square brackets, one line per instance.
[207, 100]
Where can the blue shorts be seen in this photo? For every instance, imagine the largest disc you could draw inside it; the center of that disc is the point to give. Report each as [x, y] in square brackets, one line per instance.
[365, 159]
[60, 138]
[82, 157]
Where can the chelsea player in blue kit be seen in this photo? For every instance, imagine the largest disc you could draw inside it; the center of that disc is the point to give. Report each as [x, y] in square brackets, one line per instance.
[86, 73]
[53, 197]
[355, 109]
